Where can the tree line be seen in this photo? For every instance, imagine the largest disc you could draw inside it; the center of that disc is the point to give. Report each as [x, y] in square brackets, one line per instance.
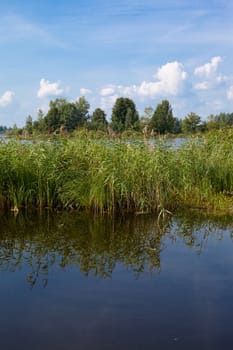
[65, 116]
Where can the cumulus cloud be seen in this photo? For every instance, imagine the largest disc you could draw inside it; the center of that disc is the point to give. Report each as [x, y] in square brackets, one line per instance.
[209, 76]
[107, 90]
[208, 69]
[170, 78]
[6, 98]
[84, 91]
[49, 89]
[230, 93]
[169, 81]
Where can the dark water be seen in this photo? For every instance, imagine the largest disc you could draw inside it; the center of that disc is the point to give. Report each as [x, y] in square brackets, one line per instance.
[75, 282]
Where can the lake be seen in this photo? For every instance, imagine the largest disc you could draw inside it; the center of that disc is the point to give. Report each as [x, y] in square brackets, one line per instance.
[73, 281]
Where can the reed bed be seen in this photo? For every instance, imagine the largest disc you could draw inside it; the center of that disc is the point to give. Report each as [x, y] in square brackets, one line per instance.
[103, 176]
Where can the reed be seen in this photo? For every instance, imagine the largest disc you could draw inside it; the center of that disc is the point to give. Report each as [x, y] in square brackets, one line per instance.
[107, 176]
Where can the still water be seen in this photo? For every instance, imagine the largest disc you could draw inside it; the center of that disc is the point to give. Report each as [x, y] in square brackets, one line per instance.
[71, 281]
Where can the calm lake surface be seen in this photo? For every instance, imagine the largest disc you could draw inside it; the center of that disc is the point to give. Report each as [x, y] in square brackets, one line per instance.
[70, 281]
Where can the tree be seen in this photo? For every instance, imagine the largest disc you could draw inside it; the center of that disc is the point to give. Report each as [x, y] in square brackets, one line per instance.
[40, 115]
[211, 123]
[28, 126]
[52, 119]
[83, 107]
[219, 121]
[69, 114]
[124, 114]
[162, 120]
[191, 123]
[39, 123]
[98, 120]
[177, 126]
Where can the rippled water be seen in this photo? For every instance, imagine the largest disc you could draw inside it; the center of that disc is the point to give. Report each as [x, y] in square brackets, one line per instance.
[71, 281]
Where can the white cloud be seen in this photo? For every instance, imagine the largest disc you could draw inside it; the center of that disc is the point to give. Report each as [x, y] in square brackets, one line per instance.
[209, 76]
[6, 98]
[49, 89]
[84, 91]
[208, 69]
[170, 78]
[230, 93]
[108, 90]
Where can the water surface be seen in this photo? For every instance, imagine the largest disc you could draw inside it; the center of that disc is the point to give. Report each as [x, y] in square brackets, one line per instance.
[69, 281]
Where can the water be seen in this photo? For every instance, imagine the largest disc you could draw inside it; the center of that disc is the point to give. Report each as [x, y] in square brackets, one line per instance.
[171, 142]
[76, 282]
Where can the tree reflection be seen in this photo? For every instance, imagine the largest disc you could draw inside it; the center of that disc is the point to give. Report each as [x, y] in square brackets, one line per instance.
[38, 243]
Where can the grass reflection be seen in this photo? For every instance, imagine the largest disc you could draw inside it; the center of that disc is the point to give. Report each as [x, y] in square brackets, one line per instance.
[95, 245]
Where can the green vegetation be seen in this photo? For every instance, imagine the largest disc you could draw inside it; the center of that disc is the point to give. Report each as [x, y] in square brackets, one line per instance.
[105, 176]
[64, 117]
[67, 114]
[162, 120]
[191, 123]
[124, 115]
[98, 120]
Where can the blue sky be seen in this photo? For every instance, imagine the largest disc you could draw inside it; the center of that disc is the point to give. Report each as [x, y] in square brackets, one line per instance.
[147, 50]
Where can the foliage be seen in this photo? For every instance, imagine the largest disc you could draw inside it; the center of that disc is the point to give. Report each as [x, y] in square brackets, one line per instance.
[98, 120]
[191, 123]
[219, 121]
[177, 126]
[124, 114]
[38, 124]
[162, 120]
[63, 114]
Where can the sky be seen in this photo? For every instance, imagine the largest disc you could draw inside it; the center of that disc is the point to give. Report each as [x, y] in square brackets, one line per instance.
[147, 50]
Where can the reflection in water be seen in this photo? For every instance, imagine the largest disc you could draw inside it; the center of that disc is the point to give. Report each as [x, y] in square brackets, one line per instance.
[97, 245]
[132, 283]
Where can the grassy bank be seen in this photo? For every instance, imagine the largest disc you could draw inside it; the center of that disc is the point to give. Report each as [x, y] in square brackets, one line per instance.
[88, 174]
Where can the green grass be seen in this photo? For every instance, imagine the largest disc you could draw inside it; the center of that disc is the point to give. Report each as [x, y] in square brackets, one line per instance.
[101, 176]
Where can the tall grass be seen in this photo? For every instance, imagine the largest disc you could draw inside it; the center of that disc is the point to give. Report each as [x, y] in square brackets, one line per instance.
[103, 176]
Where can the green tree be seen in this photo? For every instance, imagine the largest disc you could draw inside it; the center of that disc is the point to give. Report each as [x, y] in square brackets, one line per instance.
[162, 120]
[177, 126]
[39, 123]
[29, 124]
[223, 119]
[69, 114]
[124, 114]
[83, 107]
[191, 123]
[98, 120]
[52, 119]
